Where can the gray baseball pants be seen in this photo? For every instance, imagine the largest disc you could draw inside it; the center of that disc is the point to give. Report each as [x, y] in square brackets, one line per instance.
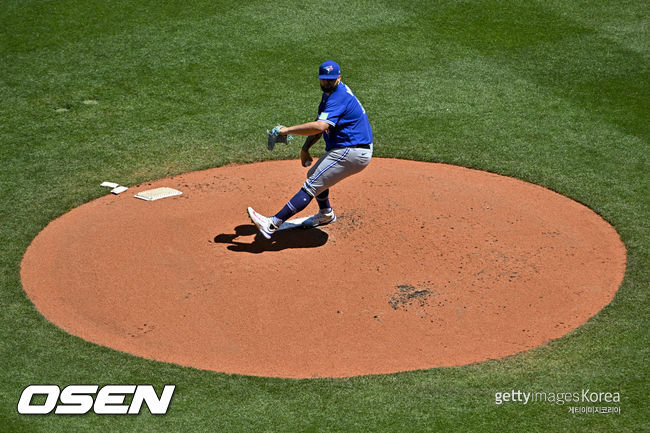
[334, 166]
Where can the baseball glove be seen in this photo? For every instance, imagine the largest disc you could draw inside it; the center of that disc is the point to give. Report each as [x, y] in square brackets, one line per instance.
[275, 137]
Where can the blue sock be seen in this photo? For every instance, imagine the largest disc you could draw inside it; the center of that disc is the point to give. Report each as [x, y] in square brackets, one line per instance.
[323, 200]
[295, 205]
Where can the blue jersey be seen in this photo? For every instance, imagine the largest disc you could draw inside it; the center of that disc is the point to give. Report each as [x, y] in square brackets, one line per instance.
[349, 125]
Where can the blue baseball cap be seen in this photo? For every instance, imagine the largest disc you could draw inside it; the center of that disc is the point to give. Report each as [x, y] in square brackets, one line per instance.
[329, 70]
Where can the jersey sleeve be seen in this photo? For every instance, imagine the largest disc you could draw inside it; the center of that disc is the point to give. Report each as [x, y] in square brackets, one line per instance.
[332, 111]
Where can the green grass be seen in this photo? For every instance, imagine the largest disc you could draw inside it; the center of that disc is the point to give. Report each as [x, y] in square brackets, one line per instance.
[552, 92]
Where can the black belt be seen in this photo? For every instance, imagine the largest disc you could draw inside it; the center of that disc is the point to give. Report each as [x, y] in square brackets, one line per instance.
[358, 146]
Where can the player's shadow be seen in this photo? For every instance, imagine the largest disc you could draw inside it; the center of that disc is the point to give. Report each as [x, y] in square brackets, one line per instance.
[282, 240]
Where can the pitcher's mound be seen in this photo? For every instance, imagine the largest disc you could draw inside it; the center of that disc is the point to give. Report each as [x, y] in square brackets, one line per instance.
[428, 265]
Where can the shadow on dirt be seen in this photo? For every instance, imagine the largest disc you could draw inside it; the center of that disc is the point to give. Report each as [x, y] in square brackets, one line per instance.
[282, 240]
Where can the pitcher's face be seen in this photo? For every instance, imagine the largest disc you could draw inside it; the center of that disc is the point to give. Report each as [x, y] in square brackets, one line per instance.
[328, 86]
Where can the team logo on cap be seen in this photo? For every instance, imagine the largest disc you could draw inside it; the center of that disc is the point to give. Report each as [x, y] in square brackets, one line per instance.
[329, 68]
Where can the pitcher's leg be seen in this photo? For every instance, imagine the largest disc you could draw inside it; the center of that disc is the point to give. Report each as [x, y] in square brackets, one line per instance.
[323, 200]
[297, 203]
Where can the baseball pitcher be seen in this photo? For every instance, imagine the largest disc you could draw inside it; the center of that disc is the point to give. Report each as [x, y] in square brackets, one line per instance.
[343, 123]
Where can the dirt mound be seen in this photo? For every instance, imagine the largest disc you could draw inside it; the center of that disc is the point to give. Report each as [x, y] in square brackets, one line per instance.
[428, 265]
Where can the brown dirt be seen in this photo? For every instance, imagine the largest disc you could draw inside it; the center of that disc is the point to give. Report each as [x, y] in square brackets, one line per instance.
[428, 265]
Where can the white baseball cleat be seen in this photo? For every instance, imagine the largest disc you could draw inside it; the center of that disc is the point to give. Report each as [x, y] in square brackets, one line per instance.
[320, 219]
[264, 224]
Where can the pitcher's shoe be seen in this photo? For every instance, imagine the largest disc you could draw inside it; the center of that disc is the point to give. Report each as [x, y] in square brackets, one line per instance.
[264, 224]
[320, 219]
